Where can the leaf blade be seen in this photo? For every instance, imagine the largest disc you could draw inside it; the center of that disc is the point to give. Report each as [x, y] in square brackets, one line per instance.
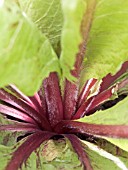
[23, 46]
[107, 43]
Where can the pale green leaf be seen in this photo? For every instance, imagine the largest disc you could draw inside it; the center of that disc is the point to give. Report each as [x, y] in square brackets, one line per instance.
[122, 143]
[26, 56]
[71, 37]
[47, 15]
[107, 46]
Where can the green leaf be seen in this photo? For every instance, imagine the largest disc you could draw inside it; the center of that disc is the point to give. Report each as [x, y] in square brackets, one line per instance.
[122, 143]
[26, 55]
[52, 155]
[47, 15]
[117, 115]
[9, 138]
[104, 159]
[5, 154]
[71, 37]
[58, 154]
[108, 39]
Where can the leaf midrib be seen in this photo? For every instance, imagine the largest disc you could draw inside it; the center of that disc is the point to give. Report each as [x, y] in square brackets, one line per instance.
[87, 19]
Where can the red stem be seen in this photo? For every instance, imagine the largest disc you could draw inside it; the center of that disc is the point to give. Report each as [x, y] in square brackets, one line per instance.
[80, 151]
[14, 101]
[85, 91]
[114, 131]
[71, 89]
[93, 103]
[6, 110]
[19, 127]
[53, 99]
[109, 79]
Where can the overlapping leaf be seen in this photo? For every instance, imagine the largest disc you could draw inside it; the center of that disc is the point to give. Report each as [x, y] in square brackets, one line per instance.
[117, 115]
[71, 37]
[108, 39]
[47, 15]
[10, 137]
[53, 155]
[25, 53]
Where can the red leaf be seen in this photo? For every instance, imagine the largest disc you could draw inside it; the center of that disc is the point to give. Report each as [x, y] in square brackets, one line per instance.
[114, 131]
[53, 99]
[24, 151]
[19, 127]
[109, 79]
[16, 113]
[80, 151]
[14, 101]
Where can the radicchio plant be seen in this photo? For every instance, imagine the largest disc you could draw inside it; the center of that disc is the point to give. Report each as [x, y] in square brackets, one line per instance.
[46, 115]
[59, 109]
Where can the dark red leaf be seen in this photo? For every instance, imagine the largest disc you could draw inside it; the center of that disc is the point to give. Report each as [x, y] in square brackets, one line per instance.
[85, 91]
[14, 101]
[19, 94]
[53, 99]
[99, 99]
[92, 103]
[70, 99]
[36, 101]
[109, 79]
[16, 113]
[71, 89]
[81, 112]
[19, 127]
[114, 131]
[43, 102]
